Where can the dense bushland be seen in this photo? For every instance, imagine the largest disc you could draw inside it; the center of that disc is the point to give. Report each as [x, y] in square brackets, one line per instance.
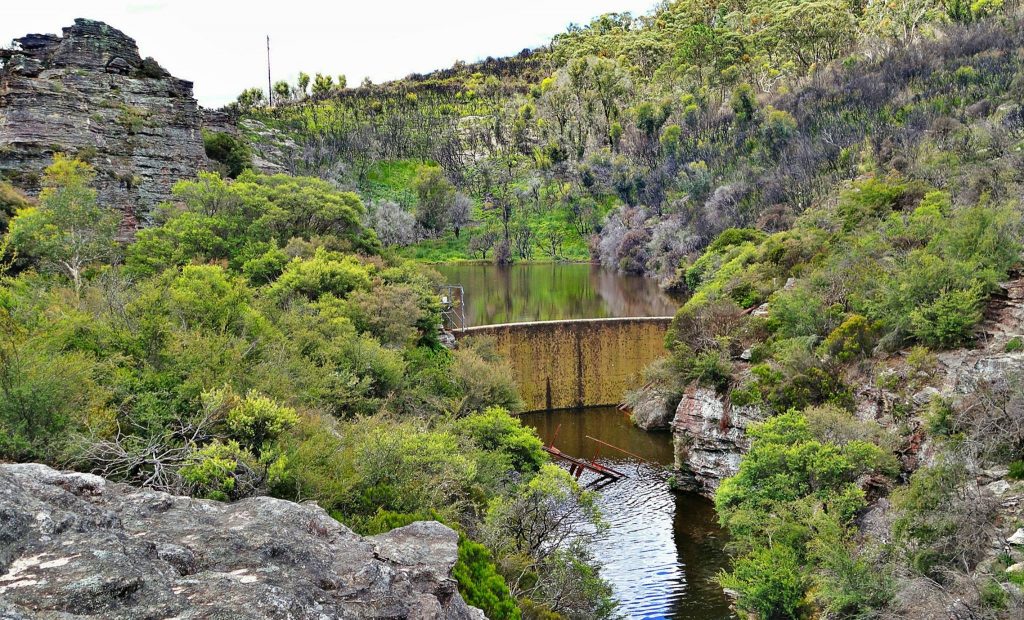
[636, 140]
[803, 324]
[256, 339]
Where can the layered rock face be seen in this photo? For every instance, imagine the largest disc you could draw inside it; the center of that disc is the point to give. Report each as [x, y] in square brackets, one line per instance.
[710, 438]
[76, 546]
[88, 93]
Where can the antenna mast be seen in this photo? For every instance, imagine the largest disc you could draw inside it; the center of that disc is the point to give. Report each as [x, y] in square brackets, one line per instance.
[270, 88]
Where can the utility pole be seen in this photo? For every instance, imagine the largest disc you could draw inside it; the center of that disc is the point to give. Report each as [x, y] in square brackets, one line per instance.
[270, 87]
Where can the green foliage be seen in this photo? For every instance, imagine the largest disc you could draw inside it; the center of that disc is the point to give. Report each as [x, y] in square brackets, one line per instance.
[326, 273]
[743, 103]
[245, 220]
[525, 529]
[229, 150]
[926, 526]
[435, 195]
[1014, 344]
[480, 583]
[868, 200]
[949, 320]
[1016, 470]
[249, 99]
[770, 581]
[483, 378]
[854, 338]
[45, 395]
[246, 348]
[68, 232]
[11, 201]
[851, 581]
[254, 420]
[789, 508]
[709, 369]
[499, 433]
[211, 470]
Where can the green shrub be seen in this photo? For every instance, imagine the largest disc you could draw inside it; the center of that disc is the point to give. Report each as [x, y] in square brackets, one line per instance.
[854, 338]
[770, 582]
[215, 470]
[710, 369]
[940, 417]
[993, 595]
[1014, 344]
[325, 273]
[789, 509]
[949, 320]
[801, 312]
[480, 583]
[229, 150]
[867, 199]
[254, 420]
[11, 200]
[502, 435]
[851, 580]
[733, 237]
[938, 523]
[483, 379]
[1016, 470]
[44, 396]
[800, 386]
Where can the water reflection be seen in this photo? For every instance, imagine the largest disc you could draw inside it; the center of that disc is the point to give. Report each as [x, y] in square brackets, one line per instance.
[663, 549]
[542, 292]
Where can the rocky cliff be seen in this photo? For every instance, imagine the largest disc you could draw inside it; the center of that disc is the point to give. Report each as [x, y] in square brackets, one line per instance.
[710, 438]
[76, 546]
[88, 93]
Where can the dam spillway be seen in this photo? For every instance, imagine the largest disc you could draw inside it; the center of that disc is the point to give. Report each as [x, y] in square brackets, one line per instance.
[576, 363]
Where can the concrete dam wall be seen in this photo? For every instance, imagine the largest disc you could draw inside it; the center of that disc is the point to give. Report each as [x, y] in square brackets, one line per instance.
[579, 363]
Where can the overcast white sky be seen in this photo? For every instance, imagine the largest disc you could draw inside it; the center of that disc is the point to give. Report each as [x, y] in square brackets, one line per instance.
[221, 47]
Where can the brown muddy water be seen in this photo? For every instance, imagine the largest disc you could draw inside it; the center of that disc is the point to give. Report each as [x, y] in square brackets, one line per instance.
[663, 549]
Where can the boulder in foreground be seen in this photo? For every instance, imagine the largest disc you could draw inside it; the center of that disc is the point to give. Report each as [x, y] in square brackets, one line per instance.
[74, 545]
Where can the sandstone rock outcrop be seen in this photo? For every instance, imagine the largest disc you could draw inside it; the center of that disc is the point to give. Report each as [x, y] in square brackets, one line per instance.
[653, 407]
[77, 546]
[710, 439]
[88, 93]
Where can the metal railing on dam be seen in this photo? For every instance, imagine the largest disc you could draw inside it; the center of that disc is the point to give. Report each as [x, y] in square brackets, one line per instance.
[577, 363]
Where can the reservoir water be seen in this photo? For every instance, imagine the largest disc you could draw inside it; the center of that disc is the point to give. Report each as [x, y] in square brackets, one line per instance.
[550, 291]
[663, 549]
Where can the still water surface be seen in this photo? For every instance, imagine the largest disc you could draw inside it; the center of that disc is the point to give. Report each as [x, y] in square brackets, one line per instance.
[545, 292]
[663, 549]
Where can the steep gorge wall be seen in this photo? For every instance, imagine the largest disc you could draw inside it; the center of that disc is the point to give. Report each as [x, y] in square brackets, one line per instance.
[583, 363]
[89, 94]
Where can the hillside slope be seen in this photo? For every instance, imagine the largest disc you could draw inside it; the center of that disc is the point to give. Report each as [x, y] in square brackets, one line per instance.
[647, 136]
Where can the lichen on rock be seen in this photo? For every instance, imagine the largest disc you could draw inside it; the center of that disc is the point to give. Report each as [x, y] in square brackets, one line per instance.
[74, 545]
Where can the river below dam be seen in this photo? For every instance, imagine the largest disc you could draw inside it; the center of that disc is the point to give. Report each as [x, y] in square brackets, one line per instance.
[663, 549]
